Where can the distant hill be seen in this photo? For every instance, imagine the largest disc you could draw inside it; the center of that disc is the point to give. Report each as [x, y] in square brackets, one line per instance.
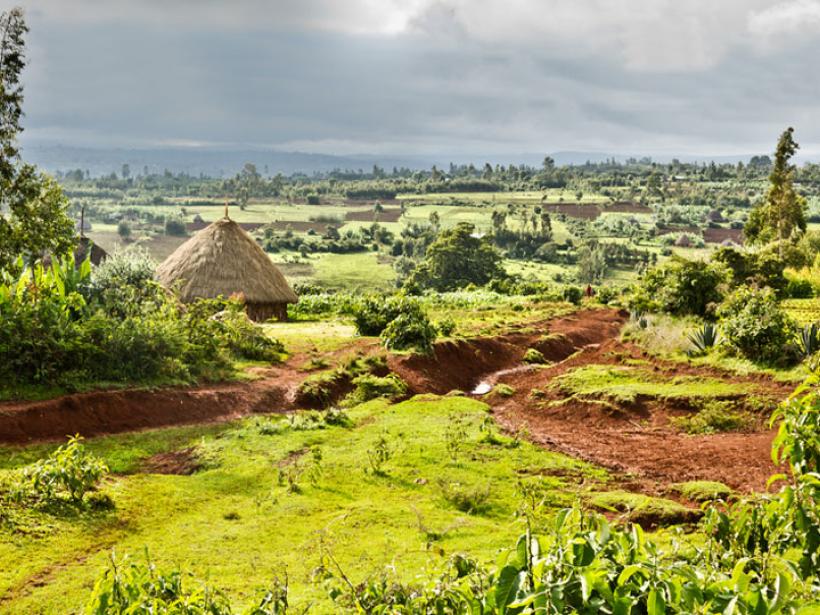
[227, 162]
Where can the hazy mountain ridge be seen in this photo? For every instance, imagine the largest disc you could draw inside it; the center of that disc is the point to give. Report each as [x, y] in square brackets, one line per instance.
[227, 162]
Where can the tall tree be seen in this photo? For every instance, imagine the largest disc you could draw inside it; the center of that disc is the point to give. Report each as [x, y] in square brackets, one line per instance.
[33, 209]
[457, 258]
[782, 212]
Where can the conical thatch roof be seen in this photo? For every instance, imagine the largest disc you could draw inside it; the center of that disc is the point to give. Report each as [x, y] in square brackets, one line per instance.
[224, 260]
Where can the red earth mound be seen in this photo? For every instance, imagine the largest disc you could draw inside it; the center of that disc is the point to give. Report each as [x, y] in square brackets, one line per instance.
[105, 412]
[638, 438]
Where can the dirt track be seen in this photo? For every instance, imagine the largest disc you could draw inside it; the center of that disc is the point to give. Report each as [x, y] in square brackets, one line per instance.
[637, 441]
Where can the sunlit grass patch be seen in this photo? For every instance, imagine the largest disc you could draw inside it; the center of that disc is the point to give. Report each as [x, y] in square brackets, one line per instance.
[264, 503]
[701, 490]
[627, 383]
[643, 509]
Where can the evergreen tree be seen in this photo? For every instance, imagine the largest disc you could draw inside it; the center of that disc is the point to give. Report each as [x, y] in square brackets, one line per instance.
[782, 212]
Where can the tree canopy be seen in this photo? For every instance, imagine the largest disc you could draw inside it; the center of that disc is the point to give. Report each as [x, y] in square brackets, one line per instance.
[457, 258]
[33, 218]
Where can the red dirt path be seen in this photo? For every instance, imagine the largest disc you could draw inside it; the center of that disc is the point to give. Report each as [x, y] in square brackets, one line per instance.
[637, 440]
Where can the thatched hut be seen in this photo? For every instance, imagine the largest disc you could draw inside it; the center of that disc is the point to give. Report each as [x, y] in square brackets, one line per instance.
[224, 260]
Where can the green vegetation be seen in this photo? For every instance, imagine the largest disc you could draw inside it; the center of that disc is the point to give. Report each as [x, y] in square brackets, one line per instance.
[755, 326]
[534, 356]
[702, 490]
[33, 208]
[624, 384]
[456, 259]
[75, 329]
[364, 520]
[643, 509]
[783, 210]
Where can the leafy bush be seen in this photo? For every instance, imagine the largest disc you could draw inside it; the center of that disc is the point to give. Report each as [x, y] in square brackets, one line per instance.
[572, 294]
[755, 325]
[123, 279]
[69, 328]
[241, 336]
[446, 326]
[70, 471]
[175, 226]
[606, 294]
[680, 287]
[410, 330]
[375, 312]
[799, 289]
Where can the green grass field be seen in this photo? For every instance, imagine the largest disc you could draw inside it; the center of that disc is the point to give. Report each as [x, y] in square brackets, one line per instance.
[233, 520]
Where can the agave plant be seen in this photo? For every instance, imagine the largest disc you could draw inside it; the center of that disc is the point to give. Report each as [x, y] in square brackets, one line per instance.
[704, 338]
[810, 339]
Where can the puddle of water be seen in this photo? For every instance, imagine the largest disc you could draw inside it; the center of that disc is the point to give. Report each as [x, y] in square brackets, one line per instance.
[482, 388]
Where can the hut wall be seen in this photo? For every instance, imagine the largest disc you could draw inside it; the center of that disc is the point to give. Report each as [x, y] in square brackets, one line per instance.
[260, 312]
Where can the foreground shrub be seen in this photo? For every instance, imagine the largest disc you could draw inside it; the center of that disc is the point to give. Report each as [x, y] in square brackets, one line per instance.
[410, 331]
[242, 338]
[69, 328]
[127, 587]
[68, 473]
[755, 325]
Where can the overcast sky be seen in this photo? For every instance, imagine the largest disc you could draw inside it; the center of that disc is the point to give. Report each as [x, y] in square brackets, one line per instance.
[425, 76]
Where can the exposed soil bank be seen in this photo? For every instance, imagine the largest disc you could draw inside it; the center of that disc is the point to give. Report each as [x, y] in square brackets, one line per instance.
[463, 364]
[106, 412]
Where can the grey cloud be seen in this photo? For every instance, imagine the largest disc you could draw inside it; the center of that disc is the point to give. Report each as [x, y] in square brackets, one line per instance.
[422, 76]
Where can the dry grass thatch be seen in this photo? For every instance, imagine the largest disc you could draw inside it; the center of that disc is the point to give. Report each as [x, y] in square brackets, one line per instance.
[224, 260]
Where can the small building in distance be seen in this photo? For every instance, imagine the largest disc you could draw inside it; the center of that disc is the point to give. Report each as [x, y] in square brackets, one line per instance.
[223, 260]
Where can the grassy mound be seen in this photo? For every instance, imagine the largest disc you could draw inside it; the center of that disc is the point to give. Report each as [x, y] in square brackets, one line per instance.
[625, 384]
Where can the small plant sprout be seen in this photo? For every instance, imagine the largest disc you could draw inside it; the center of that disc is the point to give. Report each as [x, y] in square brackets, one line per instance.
[380, 454]
[314, 468]
[455, 435]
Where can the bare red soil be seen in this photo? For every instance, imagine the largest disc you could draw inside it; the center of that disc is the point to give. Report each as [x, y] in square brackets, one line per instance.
[637, 441]
[574, 210]
[719, 235]
[628, 207]
[105, 412]
[390, 214]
